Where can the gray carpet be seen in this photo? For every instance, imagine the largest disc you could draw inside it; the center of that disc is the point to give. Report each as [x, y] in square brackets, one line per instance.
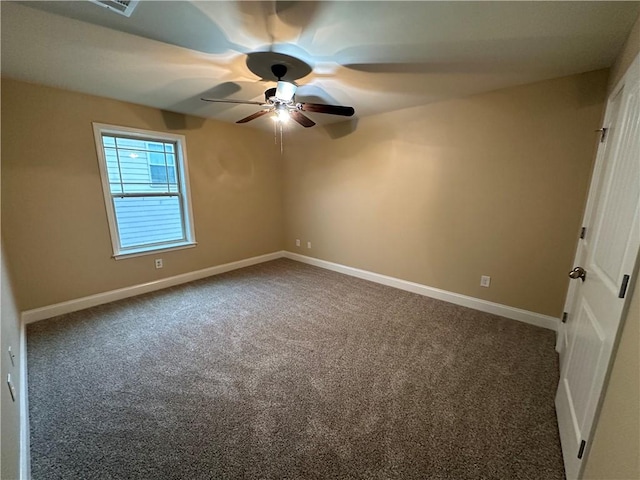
[287, 371]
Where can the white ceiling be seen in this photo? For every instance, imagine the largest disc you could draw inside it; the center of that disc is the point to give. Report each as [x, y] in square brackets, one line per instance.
[374, 56]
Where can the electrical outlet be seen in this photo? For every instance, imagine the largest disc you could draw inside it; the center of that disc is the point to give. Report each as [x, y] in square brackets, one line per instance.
[158, 263]
[308, 244]
[12, 356]
[485, 281]
[297, 242]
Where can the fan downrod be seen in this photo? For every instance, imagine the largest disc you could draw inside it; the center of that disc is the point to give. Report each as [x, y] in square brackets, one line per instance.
[279, 70]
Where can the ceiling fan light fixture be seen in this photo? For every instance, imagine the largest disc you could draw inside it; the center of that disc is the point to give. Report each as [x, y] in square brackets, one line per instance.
[280, 102]
[282, 115]
[285, 91]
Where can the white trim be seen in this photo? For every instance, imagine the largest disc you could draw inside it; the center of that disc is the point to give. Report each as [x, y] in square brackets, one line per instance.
[506, 311]
[512, 313]
[153, 251]
[25, 444]
[30, 316]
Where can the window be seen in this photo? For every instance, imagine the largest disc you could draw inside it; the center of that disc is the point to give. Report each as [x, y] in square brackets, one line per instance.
[146, 189]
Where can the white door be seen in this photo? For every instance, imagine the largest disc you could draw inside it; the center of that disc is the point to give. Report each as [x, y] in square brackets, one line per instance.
[607, 254]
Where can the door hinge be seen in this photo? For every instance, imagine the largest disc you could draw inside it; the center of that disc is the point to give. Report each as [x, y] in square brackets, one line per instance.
[564, 317]
[581, 450]
[623, 287]
[603, 133]
[583, 232]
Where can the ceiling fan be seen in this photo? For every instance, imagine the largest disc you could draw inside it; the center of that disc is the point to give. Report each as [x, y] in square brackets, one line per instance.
[281, 101]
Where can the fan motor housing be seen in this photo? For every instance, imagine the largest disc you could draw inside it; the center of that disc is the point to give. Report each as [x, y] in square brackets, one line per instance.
[271, 92]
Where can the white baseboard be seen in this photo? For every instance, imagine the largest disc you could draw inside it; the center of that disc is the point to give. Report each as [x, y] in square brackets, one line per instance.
[25, 443]
[29, 316]
[525, 316]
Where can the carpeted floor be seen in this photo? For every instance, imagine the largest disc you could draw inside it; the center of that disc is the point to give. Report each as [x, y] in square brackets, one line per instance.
[287, 371]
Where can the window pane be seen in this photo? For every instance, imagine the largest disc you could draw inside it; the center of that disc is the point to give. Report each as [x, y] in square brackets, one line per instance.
[148, 220]
[116, 188]
[113, 171]
[131, 143]
[137, 171]
[158, 173]
[156, 158]
[133, 168]
[155, 146]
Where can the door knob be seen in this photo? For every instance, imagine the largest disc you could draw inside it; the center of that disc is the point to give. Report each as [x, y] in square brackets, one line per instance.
[578, 272]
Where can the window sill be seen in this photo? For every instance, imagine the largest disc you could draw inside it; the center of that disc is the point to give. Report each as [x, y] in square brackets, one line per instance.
[153, 250]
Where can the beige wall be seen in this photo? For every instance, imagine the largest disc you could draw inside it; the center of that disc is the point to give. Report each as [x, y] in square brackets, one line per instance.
[10, 410]
[441, 194]
[53, 216]
[615, 449]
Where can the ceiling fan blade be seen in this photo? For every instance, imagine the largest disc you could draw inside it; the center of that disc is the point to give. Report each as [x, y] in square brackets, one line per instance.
[253, 116]
[332, 109]
[220, 100]
[301, 119]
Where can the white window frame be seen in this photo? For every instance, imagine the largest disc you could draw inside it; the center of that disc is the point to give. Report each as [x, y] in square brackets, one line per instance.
[100, 129]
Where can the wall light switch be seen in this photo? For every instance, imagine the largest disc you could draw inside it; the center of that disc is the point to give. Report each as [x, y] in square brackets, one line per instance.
[485, 281]
[297, 242]
[308, 244]
[12, 389]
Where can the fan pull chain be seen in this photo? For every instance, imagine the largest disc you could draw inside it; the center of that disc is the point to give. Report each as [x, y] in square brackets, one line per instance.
[281, 143]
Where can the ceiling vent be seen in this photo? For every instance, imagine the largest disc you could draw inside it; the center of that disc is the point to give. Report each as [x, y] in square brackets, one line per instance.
[123, 7]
